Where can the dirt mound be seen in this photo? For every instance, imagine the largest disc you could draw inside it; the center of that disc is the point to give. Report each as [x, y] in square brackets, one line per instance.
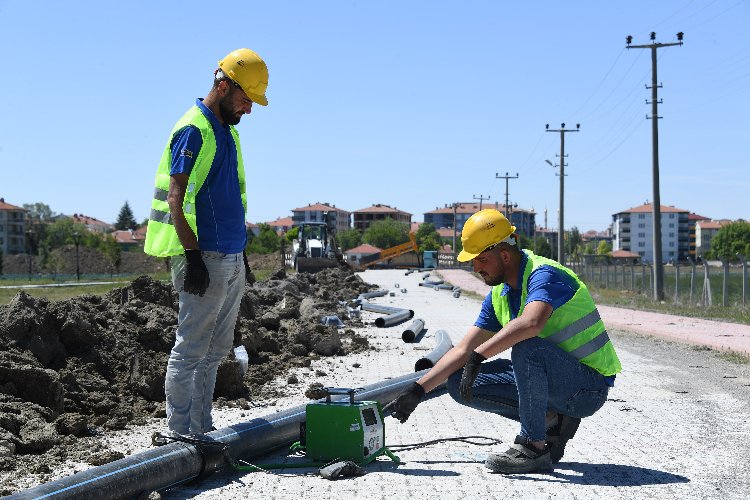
[69, 369]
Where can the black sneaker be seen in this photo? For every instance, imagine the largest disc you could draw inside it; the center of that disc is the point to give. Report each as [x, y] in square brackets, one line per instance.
[521, 457]
[559, 435]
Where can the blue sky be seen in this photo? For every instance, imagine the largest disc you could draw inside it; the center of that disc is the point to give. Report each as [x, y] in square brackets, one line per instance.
[409, 103]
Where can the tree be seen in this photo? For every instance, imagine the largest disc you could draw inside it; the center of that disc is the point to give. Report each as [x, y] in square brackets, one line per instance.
[543, 247]
[39, 211]
[428, 238]
[126, 220]
[349, 238]
[267, 241]
[731, 239]
[1, 261]
[386, 233]
[573, 242]
[589, 249]
[292, 234]
[604, 248]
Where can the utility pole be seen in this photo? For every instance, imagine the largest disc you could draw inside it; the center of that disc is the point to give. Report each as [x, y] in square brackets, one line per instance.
[455, 254]
[480, 198]
[561, 215]
[507, 178]
[656, 210]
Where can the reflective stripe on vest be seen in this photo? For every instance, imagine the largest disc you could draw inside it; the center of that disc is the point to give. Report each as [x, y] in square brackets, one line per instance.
[161, 236]
[576, 326]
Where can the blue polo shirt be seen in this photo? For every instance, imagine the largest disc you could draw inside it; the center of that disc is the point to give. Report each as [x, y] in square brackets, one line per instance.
[220, 216]
[546, 284]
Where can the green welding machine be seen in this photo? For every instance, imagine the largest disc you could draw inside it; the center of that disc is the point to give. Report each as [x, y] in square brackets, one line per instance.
[344, 429]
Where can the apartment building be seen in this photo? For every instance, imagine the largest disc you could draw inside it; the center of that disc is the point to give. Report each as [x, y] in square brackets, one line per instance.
[12, 228]
[705, 230]
[364, 217]
[523, 219]
[633, 230]
[314, 213]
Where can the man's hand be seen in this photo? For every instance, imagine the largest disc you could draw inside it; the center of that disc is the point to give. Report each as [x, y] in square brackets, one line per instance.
[405, 403]
[196, 274]
[471, 370]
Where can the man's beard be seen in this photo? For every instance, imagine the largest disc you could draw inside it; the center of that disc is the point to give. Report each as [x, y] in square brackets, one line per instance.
[494, 280]
[230, 116]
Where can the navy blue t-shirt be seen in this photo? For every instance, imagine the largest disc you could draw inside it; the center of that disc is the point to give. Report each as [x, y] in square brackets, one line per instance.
[220, 216]
[546, 284]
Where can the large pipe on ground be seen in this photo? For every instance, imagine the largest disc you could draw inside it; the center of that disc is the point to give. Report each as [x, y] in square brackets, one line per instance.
[443, 345]
[394, 318]
[370, 295]
[413, 330]
[377, 308]
[177, 463]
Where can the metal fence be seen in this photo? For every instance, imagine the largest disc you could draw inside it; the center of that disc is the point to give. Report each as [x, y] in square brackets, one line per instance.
[699, 283]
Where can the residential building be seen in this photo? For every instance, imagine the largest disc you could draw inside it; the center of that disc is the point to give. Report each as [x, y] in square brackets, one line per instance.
[705, 230]
[12, 228]
[693, 220]
[353, 255]
[281, 225]
[551, 236]
[595, 237]
[252, 228]
[315, 213]
[633, 231]
[93, 224]
[523, 219]
[129, 240]
[364, 217]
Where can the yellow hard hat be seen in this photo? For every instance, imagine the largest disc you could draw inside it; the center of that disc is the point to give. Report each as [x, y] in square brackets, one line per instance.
[482, 230]
[249, 71]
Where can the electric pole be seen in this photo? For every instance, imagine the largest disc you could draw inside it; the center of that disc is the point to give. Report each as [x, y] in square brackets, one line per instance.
[561, 215]
[656, 210]
[481, 198]
[507, 178]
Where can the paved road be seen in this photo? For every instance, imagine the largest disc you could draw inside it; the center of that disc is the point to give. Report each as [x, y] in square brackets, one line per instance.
[675, 425]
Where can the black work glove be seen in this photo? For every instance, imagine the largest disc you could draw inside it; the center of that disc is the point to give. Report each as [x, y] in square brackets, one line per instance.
[249, 276]
[471, 370]
[196, 274]
[401, 407]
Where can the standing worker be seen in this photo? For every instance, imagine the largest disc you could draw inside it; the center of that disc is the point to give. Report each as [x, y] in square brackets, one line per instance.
[198, 221]
[562, 360]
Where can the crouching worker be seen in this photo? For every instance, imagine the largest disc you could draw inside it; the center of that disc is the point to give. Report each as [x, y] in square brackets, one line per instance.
[562, 360]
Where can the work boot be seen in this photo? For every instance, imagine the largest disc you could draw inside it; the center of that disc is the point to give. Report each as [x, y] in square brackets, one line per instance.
[521, 457]
[559, 435]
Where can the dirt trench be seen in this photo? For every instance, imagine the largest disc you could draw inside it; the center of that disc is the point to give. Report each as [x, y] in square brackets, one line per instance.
[72, 369]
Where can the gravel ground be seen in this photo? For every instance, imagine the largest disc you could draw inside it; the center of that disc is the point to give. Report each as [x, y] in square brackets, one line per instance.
[675, 425]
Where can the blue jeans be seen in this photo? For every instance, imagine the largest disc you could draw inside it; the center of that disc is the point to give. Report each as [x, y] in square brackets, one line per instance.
[205, 333]
[539, 377]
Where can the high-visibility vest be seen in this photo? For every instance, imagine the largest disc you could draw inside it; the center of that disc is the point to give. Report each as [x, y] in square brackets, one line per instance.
[161, 236]
[575, 326]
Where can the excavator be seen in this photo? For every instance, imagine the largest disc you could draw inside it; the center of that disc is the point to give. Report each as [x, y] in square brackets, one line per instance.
[315, 247]
[389, 253]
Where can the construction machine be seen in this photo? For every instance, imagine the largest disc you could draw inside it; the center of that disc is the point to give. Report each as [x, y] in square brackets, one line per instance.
[315, 247]
[388, 254]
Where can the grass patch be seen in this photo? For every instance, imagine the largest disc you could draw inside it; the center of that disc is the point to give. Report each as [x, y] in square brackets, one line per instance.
[635, 300]
[57, 293]
[733, 357]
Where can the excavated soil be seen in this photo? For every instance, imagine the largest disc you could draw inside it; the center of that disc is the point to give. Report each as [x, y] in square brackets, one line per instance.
[72, 369]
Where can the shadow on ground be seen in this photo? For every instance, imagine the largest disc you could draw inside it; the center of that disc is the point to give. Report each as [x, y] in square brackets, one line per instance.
[606, 475]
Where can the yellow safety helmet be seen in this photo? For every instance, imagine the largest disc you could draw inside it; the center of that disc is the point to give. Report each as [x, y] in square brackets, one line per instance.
[249, 71]
[482, 230]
